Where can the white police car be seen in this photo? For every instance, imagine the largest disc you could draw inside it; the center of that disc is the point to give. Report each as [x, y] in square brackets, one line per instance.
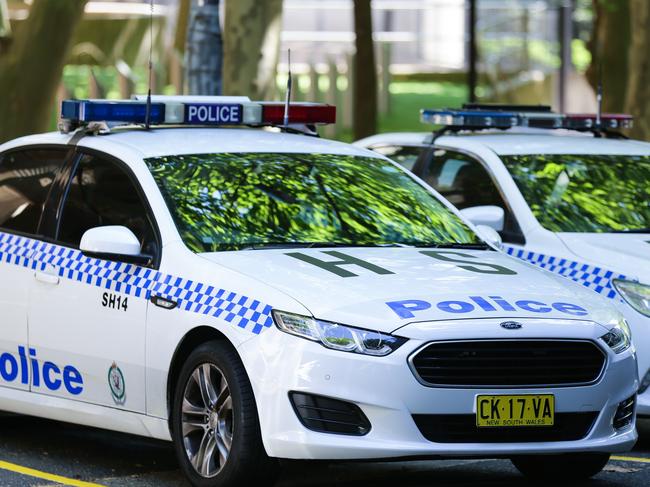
[252, 295]
[566, 201]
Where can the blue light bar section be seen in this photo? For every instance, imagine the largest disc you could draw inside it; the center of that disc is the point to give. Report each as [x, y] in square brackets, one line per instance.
[214, 113]
[111, 111]
[469, 118]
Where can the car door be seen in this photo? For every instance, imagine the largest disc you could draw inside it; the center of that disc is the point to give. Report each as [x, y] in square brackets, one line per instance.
[27, 177]
[87, 315]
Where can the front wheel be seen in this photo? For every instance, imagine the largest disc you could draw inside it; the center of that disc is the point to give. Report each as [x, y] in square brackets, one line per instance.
[576, 466]
[215, 426]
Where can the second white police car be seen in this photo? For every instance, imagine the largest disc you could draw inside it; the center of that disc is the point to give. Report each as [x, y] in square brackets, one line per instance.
[565, 195]
[252, 295]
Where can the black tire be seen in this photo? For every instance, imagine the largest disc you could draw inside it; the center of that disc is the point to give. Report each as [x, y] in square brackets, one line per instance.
[573, 466]
[246, 462]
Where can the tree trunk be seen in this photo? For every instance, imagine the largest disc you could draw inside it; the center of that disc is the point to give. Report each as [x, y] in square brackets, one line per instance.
[251, 47]
[638, 91]
[609, 47]
[182, 21]
[365, 73]
[31, 68]
[204, 49]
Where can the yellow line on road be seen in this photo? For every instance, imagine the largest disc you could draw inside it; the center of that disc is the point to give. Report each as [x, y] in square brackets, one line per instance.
[12, 467]
[631, 459]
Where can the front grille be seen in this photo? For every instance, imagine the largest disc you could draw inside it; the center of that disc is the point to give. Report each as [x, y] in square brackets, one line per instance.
[327, 415]
[509, 363]
[461, 428]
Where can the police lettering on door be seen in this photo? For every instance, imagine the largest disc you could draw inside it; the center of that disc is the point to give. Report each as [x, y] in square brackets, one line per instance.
[28, 369]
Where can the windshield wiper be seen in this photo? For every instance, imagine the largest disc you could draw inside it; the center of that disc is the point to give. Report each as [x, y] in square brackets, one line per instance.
[453, 245]
[634, 230]
[268, 245]
[342, 244]
[310, 245]
[320, 245]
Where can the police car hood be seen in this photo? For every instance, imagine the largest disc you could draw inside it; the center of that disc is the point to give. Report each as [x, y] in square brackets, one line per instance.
[623, 253]
[386, 288]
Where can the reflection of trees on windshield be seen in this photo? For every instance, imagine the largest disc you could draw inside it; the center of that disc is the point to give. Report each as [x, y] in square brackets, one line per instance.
[585, 193]
[227, 201]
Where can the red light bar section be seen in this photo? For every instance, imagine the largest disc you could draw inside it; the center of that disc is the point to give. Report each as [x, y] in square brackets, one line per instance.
[607, 121]
[273, 113]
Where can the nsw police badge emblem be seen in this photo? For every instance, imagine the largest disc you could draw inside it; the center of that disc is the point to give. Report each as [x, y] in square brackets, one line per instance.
[116, 384]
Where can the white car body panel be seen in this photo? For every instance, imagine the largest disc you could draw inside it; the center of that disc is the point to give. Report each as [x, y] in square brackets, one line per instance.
[362, 300]
[234, 293]
[603, 254]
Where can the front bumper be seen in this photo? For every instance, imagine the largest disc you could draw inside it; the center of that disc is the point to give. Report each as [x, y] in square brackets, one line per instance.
[640, 326]
[389, 394]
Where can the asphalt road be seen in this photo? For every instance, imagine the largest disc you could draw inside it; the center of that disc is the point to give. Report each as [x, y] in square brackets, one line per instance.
[37, 452]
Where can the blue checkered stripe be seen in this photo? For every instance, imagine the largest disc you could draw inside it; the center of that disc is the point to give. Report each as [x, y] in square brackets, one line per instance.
[236, 309]
[593, 277]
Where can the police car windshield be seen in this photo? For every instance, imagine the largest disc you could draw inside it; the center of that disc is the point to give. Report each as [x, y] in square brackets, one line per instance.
[585, 193]
[233, 201]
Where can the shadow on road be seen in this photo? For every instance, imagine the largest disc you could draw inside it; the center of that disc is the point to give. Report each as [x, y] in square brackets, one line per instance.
[122, 460]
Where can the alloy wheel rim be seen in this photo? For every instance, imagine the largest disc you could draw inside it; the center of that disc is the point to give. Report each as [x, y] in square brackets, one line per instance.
[207, 420]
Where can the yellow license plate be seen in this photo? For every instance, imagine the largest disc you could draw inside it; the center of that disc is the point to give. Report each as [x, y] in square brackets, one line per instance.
[520, 410]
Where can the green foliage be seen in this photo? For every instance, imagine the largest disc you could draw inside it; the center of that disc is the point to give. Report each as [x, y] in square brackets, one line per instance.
[580, 55]
[585, 193]
[409, 97]
[229, 201]
[75, 79]
[542, 52]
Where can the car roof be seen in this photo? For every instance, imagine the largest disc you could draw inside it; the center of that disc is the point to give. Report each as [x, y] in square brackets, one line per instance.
[177, 141]
[519, 142]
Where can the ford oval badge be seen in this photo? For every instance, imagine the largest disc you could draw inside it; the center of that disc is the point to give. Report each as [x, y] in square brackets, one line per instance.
[511, 325]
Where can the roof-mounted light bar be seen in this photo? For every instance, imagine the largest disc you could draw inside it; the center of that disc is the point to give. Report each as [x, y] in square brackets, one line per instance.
[492, 116]
[193, 110]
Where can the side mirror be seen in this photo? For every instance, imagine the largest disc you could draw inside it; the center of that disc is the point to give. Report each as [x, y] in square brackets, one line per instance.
[490, 235]
[490, 216]
[113, 243]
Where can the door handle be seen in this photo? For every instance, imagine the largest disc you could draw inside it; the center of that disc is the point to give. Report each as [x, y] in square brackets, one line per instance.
[46, 278]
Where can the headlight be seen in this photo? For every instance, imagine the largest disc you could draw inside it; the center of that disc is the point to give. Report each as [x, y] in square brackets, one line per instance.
[618, 338]
[637, 295]
[336, 336]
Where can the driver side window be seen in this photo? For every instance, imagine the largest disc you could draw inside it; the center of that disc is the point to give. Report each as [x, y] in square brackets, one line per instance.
[101, 193]
[465, 183]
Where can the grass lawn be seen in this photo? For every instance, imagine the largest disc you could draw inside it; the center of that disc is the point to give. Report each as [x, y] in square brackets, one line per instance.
[406, 100]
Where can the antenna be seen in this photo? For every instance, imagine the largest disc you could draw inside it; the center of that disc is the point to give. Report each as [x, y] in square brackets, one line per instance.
[599, 95]
[147, 116]
[288, 95]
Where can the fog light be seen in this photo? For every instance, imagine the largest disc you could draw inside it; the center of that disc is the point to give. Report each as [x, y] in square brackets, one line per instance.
[625, 413]
[327, 415]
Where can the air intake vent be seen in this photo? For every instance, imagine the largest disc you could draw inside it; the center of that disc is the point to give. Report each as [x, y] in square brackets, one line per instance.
[509, 363]
[625, 413]
[327, 415]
